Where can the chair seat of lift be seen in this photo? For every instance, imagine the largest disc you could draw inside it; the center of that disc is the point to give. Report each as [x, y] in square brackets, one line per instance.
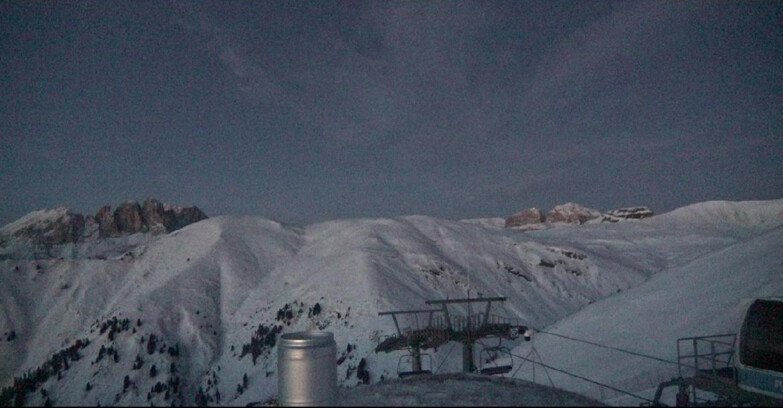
[496, 370]
[406, 374]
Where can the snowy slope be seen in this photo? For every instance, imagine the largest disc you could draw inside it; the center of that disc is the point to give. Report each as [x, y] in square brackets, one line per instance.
[206, 291]
[35, 220]
[706, 296]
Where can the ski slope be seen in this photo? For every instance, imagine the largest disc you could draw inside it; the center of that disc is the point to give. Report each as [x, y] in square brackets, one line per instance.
[212, 286]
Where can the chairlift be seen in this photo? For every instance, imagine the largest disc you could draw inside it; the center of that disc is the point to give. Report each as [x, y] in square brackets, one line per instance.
[409, 359]
[496, 368]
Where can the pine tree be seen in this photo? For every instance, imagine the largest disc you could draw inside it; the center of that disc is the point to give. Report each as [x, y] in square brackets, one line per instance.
[151, 344]
[138, 363]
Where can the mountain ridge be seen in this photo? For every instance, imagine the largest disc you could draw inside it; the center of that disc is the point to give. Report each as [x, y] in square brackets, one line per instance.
[218, 289]
[54, 233]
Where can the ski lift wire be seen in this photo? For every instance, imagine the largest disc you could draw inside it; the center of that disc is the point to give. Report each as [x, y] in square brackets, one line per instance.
[583, 378]
[611, 348]
[444, 358]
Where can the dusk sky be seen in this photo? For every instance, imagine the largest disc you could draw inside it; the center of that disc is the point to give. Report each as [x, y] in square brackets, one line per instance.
[305, 111]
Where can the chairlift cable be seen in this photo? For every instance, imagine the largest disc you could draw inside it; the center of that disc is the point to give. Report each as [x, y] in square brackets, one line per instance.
[582, 378]
[620, 350]
[446, 357]
[612, 348]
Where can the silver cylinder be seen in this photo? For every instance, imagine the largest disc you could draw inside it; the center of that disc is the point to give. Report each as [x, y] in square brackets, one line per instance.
[307, 369]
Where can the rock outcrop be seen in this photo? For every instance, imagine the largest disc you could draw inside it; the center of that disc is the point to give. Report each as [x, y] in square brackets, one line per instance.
[571, 213]
[531, 216]
[151, 216]
[629, 213]
[46, 227]
[575, 214]
[159, 215]
[105, 220]
[128, 218]
[62, 226]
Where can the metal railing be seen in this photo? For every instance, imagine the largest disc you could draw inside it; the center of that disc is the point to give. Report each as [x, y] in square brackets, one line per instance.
[706, 354]
[708, 357]
[472, 322]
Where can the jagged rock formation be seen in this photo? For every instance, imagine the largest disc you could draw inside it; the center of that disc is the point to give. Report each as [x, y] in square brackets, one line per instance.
[105, 220]
[152, 216]
[634, 213]
[128, 218]
[571, 213]
[47, 228]
[530, 216]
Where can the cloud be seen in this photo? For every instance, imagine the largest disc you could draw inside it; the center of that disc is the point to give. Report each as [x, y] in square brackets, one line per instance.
[248, 76]
[587, 56]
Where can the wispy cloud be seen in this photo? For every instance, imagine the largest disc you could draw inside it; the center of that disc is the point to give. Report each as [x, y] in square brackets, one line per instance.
[586, 57]
[245, 72]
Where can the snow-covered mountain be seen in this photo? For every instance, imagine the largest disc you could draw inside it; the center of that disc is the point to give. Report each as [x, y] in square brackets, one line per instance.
[704, 296]
[61, 233]
[204, 305]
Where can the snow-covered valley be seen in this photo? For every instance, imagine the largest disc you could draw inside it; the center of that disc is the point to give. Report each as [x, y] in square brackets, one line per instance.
[204, 305]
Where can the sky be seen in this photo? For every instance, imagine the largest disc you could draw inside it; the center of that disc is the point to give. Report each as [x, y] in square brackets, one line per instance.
[309, 111]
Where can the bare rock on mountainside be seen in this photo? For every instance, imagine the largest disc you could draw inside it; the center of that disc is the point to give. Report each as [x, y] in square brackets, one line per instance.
[153, 216]
[128, 218]
[525, 217]
[568, 213]
[47, 227]
[62, 226]
[105, 220]
[575, 214]
[571, 213]
[629, 213]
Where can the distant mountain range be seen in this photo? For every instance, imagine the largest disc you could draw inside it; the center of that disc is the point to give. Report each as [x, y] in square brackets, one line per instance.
[145, 310]
[571, 213]
[41, 234]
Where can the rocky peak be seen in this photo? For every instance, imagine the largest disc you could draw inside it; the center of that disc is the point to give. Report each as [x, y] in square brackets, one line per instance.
[128, 218]
[628, 213]
[45, 228]
[531, 216]
[169, 217]
[151, 216]
[105, 220]
[571, 213]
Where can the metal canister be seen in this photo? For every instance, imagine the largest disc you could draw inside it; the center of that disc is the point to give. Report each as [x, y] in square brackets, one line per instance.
[307, 369]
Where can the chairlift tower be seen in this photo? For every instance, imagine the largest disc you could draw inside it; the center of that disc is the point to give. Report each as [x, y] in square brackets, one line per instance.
[444, 325]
